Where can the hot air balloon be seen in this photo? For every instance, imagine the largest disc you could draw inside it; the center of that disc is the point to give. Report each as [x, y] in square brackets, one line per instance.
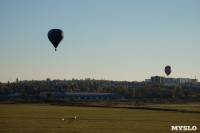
[55, 36]
[168, 70]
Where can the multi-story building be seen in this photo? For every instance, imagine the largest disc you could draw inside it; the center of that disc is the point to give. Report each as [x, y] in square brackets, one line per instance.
[194, 80]
[185, 80]
[158, 80]
[172, 81]
[147, 80]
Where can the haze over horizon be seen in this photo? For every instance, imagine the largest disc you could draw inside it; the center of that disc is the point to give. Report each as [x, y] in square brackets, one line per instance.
[108, 39]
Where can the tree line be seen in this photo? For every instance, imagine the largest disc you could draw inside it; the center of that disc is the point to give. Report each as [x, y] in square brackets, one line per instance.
[124, 89]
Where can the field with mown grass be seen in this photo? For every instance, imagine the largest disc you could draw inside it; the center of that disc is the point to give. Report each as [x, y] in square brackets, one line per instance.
[45, 118]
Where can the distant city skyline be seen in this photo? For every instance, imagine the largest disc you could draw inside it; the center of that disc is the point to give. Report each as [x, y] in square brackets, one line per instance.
[146, 79]
[117, 40]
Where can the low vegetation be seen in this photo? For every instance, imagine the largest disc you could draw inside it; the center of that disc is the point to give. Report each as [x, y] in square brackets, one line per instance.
[42, 118]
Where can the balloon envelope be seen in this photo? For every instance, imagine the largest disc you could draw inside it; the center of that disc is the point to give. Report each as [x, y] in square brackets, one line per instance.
[168, 70]
[55, 36]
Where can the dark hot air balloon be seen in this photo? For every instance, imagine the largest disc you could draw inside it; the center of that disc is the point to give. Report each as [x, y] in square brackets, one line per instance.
[168, 70]
[55, 36]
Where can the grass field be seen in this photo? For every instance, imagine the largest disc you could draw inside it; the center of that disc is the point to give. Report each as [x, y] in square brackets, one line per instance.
[44, 118]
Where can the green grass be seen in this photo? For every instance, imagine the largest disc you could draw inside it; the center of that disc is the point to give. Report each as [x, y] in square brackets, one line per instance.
[43, 118]
[184, 108]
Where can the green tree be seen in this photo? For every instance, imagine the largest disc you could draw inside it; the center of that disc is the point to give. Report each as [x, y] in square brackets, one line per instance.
[86, 89]
[132, 92]
[1, 88]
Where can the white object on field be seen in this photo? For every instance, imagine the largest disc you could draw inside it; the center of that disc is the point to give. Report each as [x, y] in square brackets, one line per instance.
[63, 119]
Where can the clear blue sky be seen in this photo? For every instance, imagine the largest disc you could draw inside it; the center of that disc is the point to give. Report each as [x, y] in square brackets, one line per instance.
[111, 39]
